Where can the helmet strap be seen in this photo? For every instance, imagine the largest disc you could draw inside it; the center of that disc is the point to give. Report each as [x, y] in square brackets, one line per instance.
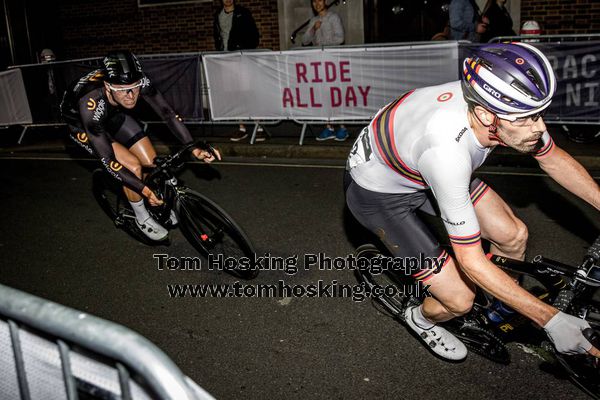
[493, 129]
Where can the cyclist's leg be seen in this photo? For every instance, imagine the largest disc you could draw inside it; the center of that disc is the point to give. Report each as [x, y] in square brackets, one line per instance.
[132, 163]
[139, 150]
[131, 135]
[393, 219]
[507, 234]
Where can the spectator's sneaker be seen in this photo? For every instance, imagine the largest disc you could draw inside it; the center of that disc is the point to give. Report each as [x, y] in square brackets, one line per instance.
[261, 135]
[438, 339]
[152, 229]
[239, 135]
[341, 134]
[326, 134]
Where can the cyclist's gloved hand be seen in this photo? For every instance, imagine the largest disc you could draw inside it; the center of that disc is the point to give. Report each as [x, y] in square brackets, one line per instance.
[565, 331]
[206, 155]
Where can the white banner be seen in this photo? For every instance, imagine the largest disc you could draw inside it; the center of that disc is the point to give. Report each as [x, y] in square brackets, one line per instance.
[14, 107]
[322, 84]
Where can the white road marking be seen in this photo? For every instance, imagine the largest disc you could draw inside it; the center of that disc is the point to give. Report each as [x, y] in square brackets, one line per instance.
[266, 164]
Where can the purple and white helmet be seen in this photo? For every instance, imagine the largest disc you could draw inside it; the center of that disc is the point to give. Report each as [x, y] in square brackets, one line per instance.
[512, 80]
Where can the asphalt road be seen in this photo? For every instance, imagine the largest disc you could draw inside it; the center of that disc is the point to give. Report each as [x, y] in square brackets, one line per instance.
[57, 244]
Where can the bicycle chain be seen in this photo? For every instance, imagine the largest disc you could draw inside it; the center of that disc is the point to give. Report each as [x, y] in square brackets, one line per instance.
[489, 346]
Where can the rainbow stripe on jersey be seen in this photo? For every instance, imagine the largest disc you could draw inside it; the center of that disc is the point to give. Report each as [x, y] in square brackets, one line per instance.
[383, 130]
[548, 147]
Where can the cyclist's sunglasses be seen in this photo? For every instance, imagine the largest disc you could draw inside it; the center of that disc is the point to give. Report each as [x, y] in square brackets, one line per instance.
[525, 121]
[125, 90]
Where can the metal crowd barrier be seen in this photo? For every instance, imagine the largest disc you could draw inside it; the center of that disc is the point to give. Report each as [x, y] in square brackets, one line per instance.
[52, 352]
[304, 123]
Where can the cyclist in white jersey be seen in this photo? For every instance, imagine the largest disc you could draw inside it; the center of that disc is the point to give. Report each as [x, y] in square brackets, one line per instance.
[429, 141]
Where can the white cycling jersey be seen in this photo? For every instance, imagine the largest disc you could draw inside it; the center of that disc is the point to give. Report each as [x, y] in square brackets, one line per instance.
[423, 140]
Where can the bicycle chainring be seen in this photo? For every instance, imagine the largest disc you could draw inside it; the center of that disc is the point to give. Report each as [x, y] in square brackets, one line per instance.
[479, 339]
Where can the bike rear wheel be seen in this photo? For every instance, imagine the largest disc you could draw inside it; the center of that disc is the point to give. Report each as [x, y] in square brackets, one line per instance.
[394, 305]
[212, 232]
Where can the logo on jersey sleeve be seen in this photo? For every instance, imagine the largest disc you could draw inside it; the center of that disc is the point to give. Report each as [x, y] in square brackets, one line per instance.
[444, 97]
[115, 166]
[82, 137]
[91, 104]
[99, 110]
[96, 77]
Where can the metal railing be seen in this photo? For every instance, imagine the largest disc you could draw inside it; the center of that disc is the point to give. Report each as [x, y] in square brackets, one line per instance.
[55, 352]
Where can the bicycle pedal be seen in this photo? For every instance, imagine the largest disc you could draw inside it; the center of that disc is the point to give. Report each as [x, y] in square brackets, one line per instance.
[119, 221]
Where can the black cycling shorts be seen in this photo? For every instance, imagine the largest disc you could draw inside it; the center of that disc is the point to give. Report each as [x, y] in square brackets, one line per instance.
[122, 129]
[393, 218]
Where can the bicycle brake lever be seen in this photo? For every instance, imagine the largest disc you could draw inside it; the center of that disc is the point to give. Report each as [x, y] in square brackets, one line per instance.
[202, 145]
[592, 336]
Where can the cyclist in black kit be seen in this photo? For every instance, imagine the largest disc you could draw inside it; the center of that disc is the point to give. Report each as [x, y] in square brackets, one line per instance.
[95, 109]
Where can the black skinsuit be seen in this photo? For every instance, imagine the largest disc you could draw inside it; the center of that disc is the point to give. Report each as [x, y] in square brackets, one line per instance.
[95, 124]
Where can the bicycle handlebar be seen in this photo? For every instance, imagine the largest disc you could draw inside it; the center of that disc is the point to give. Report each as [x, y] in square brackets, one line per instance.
[163, 163]
[592, 336]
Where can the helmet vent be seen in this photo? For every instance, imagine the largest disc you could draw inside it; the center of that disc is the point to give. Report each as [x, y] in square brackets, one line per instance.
[536, 79]
[523, 89]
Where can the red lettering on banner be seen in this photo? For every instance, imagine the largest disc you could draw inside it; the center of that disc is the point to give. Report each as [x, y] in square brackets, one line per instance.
[301, 72]
[350, 97]
[315, 66]
[336, 96]
[344, 71]
[364, 92]
[313, 102]
[330, 72]
[288, 98]
[298, 103]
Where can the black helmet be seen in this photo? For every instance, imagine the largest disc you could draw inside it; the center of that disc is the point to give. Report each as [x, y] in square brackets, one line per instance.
[122, 68]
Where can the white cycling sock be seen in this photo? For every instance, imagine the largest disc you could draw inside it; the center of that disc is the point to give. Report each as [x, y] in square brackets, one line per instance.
[141, 214]
[419, 318]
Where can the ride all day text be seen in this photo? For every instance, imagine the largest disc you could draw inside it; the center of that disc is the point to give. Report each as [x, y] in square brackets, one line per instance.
[326, 83]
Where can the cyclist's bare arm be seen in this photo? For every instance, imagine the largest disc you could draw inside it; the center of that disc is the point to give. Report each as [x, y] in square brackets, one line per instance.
[571, 175]
[492, 279]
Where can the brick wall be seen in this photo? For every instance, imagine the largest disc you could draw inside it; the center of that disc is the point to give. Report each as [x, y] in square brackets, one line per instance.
[563, 16]
[91, 29]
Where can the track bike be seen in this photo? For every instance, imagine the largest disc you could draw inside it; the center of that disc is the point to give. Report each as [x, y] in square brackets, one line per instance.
[206, 226]
[569, 288]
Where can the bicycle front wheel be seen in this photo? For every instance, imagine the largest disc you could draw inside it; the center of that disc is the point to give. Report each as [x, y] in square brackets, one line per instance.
[214, 233]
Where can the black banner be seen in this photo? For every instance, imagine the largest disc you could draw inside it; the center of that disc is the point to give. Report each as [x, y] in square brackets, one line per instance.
[577, 69]
[177, 78]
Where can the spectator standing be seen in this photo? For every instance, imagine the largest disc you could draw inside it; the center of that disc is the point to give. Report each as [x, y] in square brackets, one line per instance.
[47, 56]
[500, 22]
[465, 21]
[235, 29]
[325, 29]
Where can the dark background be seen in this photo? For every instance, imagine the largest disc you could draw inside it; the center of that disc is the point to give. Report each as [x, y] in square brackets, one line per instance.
[78, 29]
